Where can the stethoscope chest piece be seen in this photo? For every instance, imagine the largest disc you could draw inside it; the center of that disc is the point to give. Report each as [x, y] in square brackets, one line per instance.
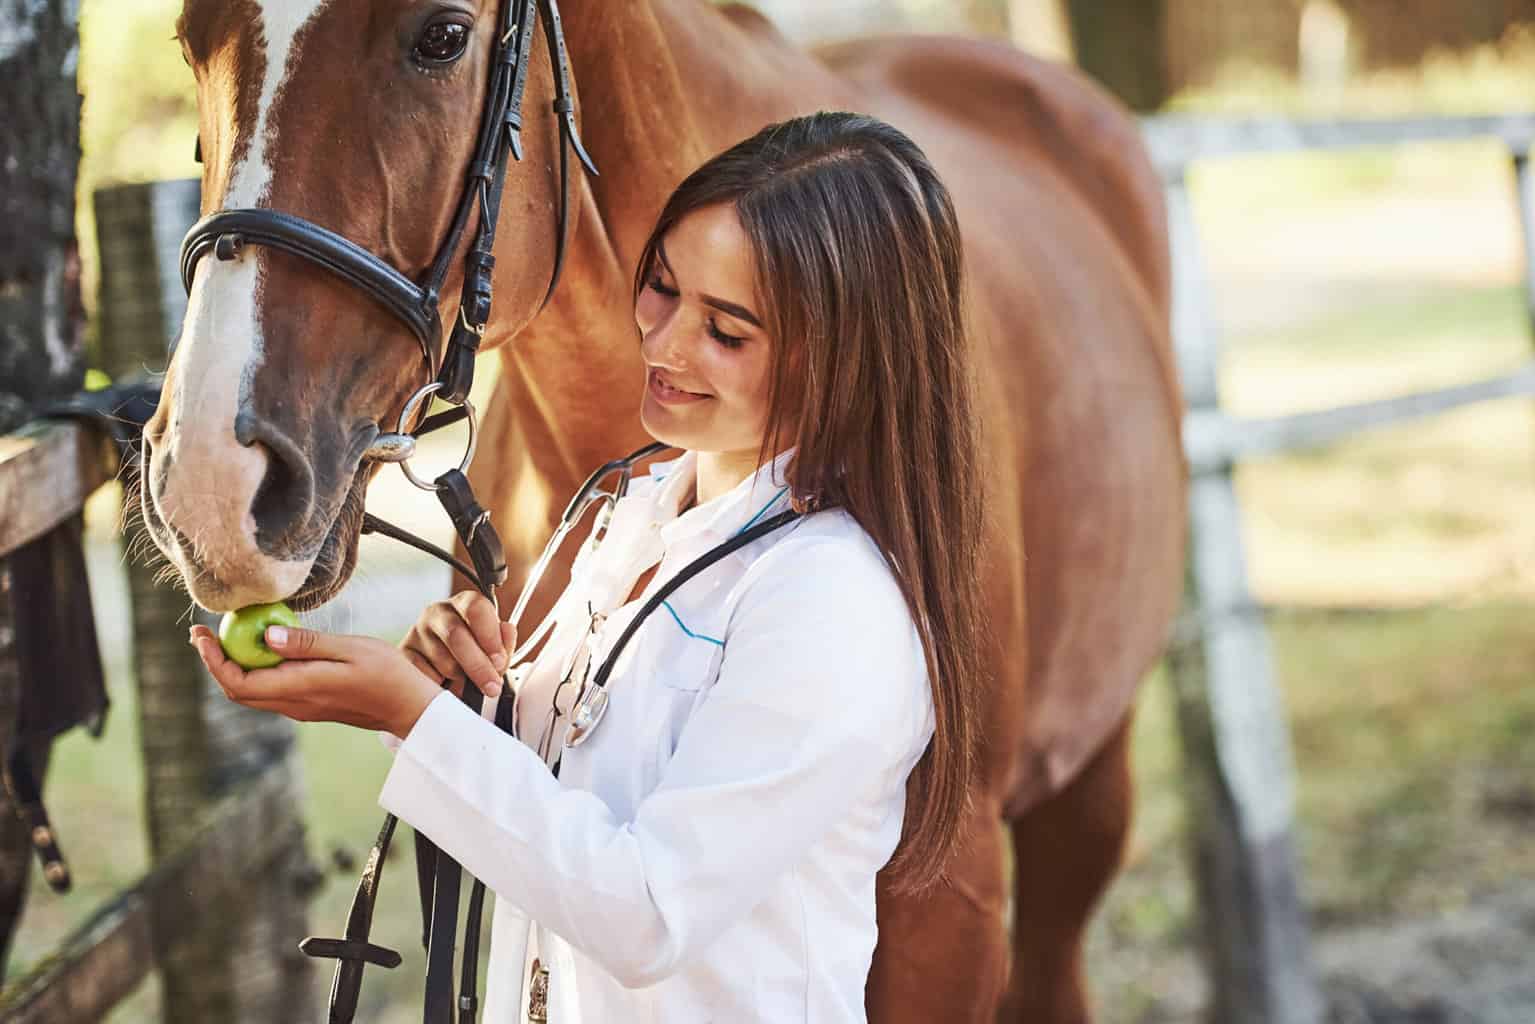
[587, 715]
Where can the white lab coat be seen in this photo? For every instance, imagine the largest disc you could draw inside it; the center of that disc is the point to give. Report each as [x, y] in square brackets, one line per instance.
[709, 853]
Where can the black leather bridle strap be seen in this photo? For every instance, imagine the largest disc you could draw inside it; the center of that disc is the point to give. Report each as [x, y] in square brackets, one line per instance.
[712, 556]
[225, 233]
[570, 135]
[692, 569]
[354, 951]
[498, 142]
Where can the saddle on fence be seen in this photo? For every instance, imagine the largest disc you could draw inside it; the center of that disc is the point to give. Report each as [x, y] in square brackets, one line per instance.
[57, 654]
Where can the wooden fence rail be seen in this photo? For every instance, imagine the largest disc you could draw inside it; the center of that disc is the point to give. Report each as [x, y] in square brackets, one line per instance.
[1238, 765]
[108, 957]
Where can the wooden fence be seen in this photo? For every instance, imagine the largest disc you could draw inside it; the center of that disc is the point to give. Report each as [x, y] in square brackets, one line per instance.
[1238, 765]
[221, 911]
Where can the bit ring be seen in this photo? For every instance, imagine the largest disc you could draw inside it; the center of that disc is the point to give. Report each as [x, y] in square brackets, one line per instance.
[410, 409]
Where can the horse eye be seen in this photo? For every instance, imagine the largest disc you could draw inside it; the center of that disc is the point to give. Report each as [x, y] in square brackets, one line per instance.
[442, 42]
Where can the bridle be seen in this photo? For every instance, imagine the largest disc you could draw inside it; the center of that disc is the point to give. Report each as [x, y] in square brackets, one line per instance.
[416, 304]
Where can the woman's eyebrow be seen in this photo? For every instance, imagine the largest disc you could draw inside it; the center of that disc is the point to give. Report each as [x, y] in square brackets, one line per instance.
[723, 305]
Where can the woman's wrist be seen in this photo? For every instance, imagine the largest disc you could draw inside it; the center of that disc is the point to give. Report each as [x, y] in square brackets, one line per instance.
[415, 699]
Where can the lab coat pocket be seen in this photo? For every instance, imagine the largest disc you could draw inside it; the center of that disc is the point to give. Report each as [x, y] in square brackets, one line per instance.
[689, 664]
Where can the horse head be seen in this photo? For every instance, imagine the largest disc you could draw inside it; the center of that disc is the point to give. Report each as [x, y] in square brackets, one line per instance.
[360, 117]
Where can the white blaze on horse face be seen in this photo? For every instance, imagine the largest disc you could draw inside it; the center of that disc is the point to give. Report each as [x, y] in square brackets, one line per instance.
[212, 481]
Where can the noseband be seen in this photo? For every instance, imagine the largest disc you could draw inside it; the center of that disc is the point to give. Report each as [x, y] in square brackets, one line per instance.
[416, 304]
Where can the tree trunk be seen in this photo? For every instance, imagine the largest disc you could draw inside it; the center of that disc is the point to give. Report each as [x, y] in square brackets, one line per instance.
[1121, 44]
[197, 745]
[41, 319]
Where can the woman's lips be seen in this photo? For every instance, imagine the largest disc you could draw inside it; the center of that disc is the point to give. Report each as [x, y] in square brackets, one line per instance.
[666, 393]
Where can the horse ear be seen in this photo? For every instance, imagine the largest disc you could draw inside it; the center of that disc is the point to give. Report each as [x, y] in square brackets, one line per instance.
[197, 149]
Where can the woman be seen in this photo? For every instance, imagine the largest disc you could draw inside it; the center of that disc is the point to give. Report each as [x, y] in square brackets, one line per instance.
[794, 718]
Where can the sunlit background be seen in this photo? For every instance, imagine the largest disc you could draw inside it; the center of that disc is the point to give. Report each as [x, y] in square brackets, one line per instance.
[1400, 565]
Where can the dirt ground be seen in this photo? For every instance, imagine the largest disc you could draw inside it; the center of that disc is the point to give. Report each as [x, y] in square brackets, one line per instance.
[1473, 966]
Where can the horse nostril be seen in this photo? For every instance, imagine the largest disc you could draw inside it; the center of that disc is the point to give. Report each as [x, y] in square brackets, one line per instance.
[284, 498]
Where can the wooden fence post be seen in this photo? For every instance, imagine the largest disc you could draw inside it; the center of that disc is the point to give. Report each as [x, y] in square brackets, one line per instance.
[196, 744]
[1238, 776]
[1524, 189]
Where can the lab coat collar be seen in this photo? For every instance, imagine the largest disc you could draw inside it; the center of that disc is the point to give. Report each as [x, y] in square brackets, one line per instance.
[760, 495]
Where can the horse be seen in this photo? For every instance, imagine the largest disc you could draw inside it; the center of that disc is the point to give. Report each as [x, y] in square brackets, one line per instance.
[343, 112]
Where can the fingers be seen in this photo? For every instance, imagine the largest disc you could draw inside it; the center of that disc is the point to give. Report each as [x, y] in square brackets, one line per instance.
[462, 638]
[228, 674]
[307, 644]
[424, 644]
[238, 684]
[476, 666]
[479, 614]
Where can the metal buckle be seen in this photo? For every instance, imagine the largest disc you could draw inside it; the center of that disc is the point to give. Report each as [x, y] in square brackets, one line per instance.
[400, 446]
[477, 330]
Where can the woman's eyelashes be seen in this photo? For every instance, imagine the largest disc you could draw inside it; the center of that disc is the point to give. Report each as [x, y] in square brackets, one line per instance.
[730, 341]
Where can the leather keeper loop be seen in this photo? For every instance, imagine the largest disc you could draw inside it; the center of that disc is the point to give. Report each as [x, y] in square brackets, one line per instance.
[457, 375]
[481, 308]
[227, 247]
[346, 949]
[564, 105]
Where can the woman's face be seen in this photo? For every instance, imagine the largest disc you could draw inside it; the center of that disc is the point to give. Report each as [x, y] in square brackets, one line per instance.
[707, 357]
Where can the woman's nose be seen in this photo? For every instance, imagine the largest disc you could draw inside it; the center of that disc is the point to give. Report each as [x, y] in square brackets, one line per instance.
[663, 344]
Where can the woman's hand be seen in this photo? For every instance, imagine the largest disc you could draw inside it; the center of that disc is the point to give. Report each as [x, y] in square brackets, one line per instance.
[462, 640]
[353, 680]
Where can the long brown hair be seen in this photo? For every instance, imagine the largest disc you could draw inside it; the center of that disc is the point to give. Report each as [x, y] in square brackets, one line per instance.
[860, 270]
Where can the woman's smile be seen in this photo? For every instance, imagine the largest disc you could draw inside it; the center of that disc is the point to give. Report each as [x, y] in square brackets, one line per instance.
[664, 391]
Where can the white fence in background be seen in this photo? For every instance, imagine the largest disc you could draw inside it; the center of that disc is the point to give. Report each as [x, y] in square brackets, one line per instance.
[1238, 764]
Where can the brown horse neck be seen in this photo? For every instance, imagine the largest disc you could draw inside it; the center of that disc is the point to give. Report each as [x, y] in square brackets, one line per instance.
[662, 85]
[666, 84]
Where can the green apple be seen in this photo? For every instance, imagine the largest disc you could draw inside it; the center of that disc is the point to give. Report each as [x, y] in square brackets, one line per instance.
[242, 633]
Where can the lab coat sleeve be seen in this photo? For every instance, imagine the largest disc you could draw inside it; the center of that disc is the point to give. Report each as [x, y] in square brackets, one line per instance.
[821, 704]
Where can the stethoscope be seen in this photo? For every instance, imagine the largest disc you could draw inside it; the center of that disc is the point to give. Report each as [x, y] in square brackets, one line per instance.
[591, 703]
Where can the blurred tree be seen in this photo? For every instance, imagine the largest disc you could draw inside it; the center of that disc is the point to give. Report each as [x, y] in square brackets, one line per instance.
[140, 99]
[41, 320]
[1204, 37]
[1120, 43]
[1396, 33]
